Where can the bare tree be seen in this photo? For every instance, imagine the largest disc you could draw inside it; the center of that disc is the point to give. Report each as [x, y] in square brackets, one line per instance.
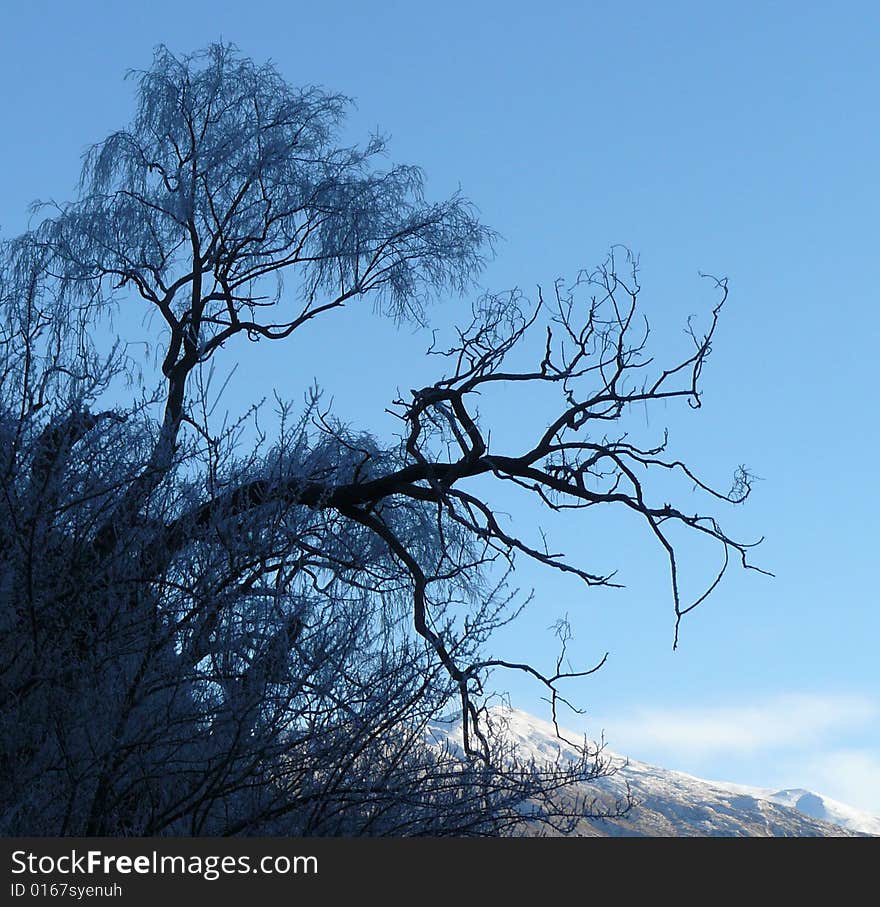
[209, 639]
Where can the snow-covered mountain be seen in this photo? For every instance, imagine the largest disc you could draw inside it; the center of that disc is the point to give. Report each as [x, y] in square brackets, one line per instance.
[670, 803]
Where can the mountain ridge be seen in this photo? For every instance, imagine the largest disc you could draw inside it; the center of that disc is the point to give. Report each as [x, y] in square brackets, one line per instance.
[670, 803]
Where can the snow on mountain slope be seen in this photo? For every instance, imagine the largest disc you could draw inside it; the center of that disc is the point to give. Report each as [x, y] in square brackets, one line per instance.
[817, 806]
[671, 803]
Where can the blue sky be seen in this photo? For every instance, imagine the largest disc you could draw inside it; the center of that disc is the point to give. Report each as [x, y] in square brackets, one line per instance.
[737, 141]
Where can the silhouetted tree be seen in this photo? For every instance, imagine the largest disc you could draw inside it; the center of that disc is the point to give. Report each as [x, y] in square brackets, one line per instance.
[206, 637]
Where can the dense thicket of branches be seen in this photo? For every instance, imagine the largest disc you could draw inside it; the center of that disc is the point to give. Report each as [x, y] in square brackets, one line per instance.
[206, 639]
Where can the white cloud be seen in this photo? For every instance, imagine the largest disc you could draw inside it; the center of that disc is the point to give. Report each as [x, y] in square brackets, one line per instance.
[780, 722]
[849, 775]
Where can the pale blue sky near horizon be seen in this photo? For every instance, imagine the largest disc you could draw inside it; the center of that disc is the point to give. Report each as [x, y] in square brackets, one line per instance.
[740, 142]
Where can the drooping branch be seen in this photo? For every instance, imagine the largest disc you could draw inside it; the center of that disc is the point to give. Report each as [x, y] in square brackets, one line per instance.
[600, 365]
